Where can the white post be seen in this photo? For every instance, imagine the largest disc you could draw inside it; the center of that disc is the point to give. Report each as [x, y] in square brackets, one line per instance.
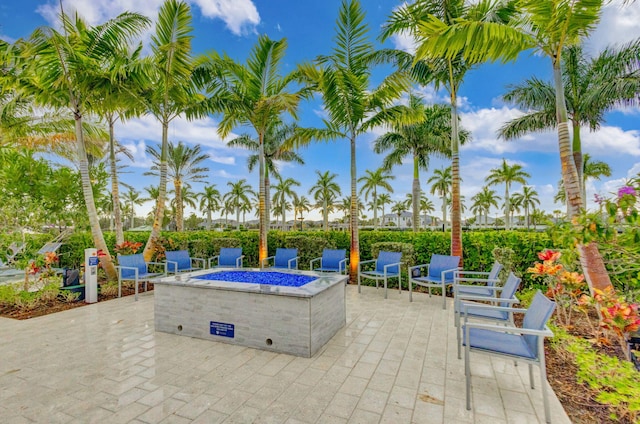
[90, 275]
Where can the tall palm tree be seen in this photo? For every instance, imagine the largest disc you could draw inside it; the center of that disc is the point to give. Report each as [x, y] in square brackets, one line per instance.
[300, 204]
[62, 69]
[507, 175]
[352, 105]
[486, 198]
[428, 21]
[372, 180]
[210, 202]
[592, 169]
[183, 166]
[441, 182]
[238, 196]
[254, 94]
[431, 136]
[324, 192]
[384, 199]
[398, 208]
[171, 90]
[592, 86]
[283, 191]
[277, 148]
[426, 206]
[133, 199]
[529, 199]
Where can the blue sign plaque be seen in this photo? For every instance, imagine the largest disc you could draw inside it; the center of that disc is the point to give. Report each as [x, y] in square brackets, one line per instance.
[93, 260]
[221, 329]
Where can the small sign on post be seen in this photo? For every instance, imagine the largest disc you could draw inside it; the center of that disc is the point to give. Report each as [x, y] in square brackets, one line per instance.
[91, 275]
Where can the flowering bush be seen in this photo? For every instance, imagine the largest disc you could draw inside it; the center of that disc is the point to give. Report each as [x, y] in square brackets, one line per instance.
[618, 316]
[128, 247]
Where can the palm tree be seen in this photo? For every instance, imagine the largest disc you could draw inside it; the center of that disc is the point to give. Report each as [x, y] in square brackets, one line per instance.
[373, 180]
[300, 204]
[507, 175]
[529, 199]
[133, 199]
[183, 165]
[238, 196]
[429, 22]
[485, 199]
[61, 71]
[591, 88]
[441, 182]
[384, 199]
[276, 149]
[257, 95]
[210, 202]
[432, 136]
[171, 90]
[324, 192]
[592, 169]
[283, 190]
[398, 208]
[426, 206]
[353, 107]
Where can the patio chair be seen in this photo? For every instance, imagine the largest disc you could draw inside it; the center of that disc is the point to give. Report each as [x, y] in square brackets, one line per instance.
[386, 266]
[180, 261]
[50, 247]
[332, 260]
[230, 257]
[439, 273]
[520, 344]
[134, 268]
[469, 304]
[15, 249]
[284, 258]
[477, 283]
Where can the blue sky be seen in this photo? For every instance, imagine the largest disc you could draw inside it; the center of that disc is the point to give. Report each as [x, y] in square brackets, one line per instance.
[232, 26]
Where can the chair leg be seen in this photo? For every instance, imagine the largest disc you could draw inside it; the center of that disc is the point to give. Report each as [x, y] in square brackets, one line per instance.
[467, 369]
[359, 291]
[385, 286]
[119, 286]
[444, 296]
[531, 382]
[543, 380]
[459, 339]
[410, 291]
[136, 293]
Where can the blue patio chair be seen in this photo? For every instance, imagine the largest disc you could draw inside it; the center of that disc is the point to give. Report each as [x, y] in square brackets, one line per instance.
[49, 248]
[134, 268]
[520, 344]
[332, 260]
[386, 266]
[180, 261]
[477, 283]
[229, 257]
[507, 297]
[438, 273]
[284, 258]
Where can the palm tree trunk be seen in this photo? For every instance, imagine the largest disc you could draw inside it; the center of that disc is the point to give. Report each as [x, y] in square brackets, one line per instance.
[208, 219]
[415, 190]
[133, 215]
[115, 194]
[456, 220]
[262, 205]
[375, 209]
[354, 254]
[179, 206]
[325, 214]
[87, 191]
[579, 161]
[162, 193]
[267, 199]
[507, 207]
[591, 260]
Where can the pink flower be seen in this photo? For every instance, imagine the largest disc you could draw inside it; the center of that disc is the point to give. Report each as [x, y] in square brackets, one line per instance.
[626, 190]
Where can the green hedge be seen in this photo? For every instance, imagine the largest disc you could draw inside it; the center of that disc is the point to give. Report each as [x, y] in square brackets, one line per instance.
[477, 246]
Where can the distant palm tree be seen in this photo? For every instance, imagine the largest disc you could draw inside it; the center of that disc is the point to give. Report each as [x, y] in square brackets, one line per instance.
[529, 199]
[483, 200]
[237, 196]
[373, 180]
[384, 199]
[210, 202]
[132, 198]
[507, 175]
[441, 181]
[300, 204]
[399, 207]
[324, 192]
[184, 165]
[283, 190]
[277, 148]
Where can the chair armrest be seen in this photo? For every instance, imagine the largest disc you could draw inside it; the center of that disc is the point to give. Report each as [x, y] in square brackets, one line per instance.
[398, 264]
[121, 267]
[266, 260]
[290, 261]
[474, 280]
[366, 262]
[465, 298]
[467, 305]
[239, 261]
[494, 289]
[462, 271]
[418, 266]
[173, 267]
[513, 330]
[312, 261]
[342, 265]
[212, 258]
[164, 265]
[199, 260]
[449, 271]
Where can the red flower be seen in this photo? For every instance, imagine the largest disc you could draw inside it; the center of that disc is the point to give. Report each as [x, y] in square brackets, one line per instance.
[549, 255]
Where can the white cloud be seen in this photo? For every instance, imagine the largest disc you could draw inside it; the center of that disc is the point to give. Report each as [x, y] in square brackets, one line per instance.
[618, 25]
[8, 39]
[611, 141]
[405, 42]
[240, 16]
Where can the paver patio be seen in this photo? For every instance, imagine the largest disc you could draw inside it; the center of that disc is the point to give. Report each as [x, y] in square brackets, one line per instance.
[394, 362]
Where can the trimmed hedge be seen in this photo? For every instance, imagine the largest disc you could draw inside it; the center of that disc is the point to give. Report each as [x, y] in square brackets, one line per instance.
[477, 245]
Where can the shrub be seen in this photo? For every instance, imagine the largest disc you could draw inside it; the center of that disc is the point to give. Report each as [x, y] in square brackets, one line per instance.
[308, 248]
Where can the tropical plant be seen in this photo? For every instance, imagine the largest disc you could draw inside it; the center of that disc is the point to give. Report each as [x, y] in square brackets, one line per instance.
[399, 208]
[283, 190]
[384, 199]
[529, 199]
[238, 196]
[62, 70]
[431, 136]
[482, 202]
[373, 180]
[325, 191]
[277, 148]
[507, 174]
[257, 95]
[300, 204]
[183, 164]
[210, 202]
[132, 198]
[352, 105]
[441, 182]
